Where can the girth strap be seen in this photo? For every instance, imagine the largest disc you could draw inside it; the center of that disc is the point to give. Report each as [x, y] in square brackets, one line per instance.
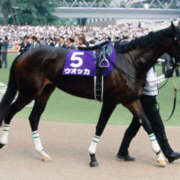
[98, 87]
[101, 63]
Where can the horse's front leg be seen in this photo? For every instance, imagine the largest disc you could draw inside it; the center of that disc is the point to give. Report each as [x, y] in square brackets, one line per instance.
[136, 108]
[106, 111]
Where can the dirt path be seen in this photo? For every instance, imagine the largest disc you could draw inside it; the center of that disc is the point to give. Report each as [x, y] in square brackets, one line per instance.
[68, 146]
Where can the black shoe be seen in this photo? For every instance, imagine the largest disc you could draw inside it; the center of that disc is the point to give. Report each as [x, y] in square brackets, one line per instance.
[126, 157]
[173, 156]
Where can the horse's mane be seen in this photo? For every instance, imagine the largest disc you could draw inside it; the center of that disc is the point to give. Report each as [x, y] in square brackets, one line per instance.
[149, 40]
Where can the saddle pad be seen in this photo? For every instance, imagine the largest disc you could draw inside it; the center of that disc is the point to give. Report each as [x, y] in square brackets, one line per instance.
[83, 62]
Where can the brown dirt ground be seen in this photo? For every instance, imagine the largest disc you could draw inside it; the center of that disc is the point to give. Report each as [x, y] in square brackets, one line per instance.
[68, 146]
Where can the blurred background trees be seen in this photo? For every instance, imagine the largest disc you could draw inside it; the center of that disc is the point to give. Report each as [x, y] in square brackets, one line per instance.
[32, 12]
[40, 12]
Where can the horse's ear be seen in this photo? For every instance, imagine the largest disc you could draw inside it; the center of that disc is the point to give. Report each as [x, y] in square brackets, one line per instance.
[173, 26]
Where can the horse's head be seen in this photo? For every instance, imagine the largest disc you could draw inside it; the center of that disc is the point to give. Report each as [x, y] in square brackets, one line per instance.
[174, 46]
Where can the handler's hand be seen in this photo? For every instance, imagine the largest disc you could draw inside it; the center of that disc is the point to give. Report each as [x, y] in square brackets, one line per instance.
[169, 73]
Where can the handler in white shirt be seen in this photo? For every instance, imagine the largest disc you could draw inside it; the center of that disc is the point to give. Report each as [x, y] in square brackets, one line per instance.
[152, 82]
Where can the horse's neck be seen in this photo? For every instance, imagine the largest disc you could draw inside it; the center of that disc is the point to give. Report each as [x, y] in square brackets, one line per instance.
[145, 58]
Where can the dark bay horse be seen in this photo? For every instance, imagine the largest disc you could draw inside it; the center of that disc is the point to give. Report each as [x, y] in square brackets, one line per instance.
[36, 73]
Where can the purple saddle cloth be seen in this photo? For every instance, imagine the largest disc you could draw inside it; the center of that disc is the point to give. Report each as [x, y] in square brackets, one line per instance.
[83, 62]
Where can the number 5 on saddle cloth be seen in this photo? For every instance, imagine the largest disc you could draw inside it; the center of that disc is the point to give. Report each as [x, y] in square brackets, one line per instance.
[97, 63]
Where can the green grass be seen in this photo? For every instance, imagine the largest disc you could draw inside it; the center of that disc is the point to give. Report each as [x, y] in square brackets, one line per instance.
[66, 108]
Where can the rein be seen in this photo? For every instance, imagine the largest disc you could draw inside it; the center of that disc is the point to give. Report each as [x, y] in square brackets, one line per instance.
[174, 105]
[175, 91]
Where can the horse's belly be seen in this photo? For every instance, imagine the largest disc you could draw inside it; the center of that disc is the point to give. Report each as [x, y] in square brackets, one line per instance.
[77, 85]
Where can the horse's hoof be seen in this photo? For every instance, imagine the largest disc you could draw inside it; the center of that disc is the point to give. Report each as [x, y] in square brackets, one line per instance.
[93, 164]
[45, 156]
[1, 145]
[161, 163]
[45, 159]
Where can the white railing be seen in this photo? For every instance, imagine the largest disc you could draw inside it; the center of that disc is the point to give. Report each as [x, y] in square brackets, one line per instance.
[164, 4]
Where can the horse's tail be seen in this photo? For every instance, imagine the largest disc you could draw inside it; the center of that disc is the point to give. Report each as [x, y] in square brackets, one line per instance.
[9, 94]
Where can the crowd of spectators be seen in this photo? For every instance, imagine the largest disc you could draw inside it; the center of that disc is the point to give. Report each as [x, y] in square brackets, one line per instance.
[72, 36]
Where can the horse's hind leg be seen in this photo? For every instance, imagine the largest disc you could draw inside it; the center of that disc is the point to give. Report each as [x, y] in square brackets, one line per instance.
[19, 103]
[39, 106]
[106, 111]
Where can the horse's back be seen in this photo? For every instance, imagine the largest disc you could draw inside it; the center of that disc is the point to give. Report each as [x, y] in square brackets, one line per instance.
[45, 60]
